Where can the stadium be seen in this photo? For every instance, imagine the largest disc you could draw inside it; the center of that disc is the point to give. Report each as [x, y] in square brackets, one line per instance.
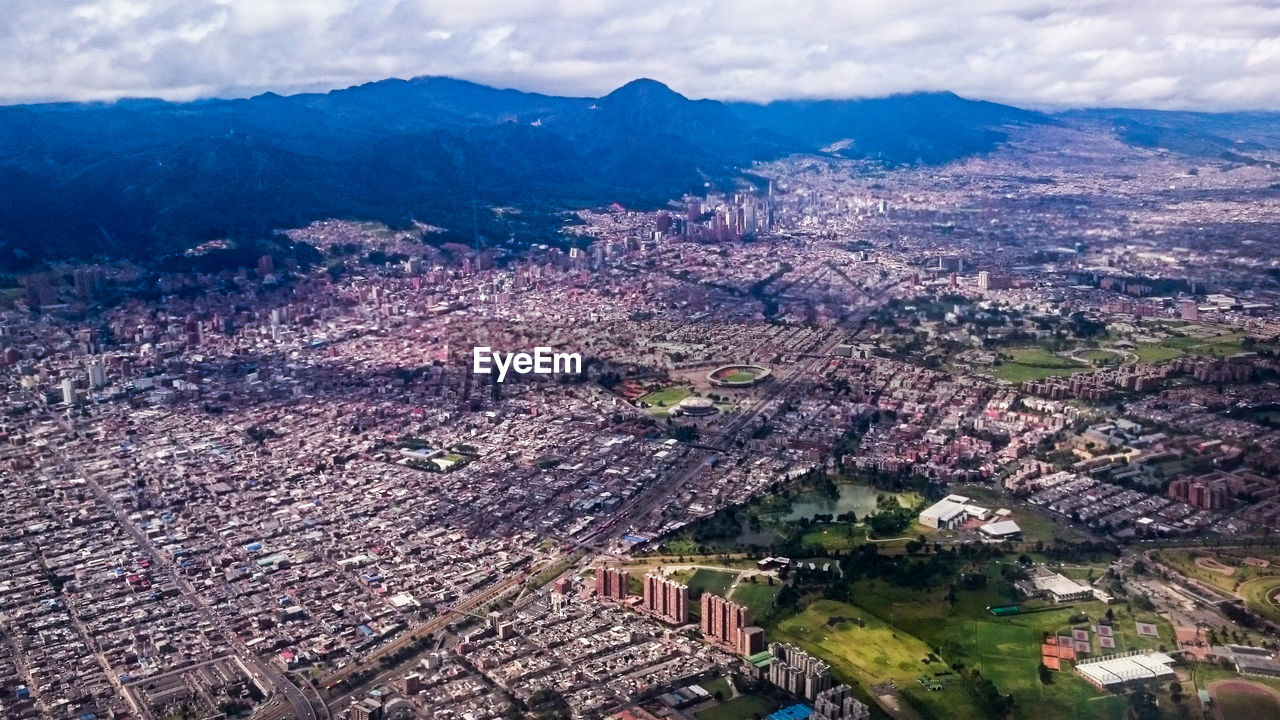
[738, 376]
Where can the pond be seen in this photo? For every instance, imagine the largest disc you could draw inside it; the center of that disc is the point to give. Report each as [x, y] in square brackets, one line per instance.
[859, 499]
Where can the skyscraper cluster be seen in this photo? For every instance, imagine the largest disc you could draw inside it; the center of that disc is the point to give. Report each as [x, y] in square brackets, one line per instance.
[720, 219]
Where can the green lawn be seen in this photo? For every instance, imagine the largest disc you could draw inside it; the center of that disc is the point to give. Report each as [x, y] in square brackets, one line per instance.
[716, 582]
[1151, 353]
[1099, 355]
[660, 400]
[835, 536]
[1035, 363]
[1007, 650]
[758, 597]
[718, 685]
[1258, 593]
[742, 707]
[1201, 340]
[871, 654]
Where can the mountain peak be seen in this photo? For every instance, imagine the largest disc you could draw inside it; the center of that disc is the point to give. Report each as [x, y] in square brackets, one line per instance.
[645, 88]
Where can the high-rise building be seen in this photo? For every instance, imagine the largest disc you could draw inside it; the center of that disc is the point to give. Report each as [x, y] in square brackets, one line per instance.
[722, 620]
[798, 672]
[667, 599]
[87, 282]
[750, 641]
[838, 703]
[69, 391]
[612, 583]
[97, 375]
[39, 291]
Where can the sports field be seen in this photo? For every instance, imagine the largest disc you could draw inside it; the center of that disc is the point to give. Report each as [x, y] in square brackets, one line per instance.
[1153, 353]
[1243, 700]
[742, 707]
[667, 396]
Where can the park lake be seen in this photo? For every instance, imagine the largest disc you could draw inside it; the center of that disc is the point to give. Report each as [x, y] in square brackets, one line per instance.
[859, 499]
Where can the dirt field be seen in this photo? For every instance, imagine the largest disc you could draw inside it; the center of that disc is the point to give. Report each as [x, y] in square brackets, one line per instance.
[1214, 565]
[1192, 642]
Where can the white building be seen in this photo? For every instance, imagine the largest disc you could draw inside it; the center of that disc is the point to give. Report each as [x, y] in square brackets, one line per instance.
[1116, 672]
[952, 511]
[1059, 589]
[1001, 530]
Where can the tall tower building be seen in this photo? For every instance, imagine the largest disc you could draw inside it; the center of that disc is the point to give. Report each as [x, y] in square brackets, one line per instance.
[722, 620]
[97, 375]
[667, 599]
[612, 583]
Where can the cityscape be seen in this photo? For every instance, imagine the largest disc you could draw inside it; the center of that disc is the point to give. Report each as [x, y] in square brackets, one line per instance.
[819, 433]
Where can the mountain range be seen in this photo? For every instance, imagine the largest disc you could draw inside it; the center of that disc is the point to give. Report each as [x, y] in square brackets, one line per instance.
[140, 178]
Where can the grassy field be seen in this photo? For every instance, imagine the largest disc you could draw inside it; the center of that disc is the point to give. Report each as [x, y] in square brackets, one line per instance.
[661, 401]
[718, 685]
[739, 708]
[1034, 363]
[1184, 561]
[1099, 355]
[871, 654]
[1153, 353]
[1007, 650]
[758, 597]
[1258, 594]
[835, 536]
[1198, 340]
[716, 582]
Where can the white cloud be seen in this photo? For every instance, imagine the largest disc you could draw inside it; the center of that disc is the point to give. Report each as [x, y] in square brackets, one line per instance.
[1204, 54]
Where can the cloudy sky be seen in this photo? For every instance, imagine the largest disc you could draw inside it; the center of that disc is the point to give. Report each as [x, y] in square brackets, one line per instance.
[1200, 54]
